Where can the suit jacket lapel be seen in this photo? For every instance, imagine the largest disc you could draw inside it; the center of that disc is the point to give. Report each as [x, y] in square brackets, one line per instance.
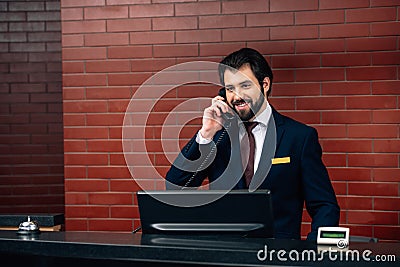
[279, 123]
[275, 130]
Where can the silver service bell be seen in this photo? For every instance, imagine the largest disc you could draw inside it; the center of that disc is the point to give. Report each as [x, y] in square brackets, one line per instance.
[28, 228]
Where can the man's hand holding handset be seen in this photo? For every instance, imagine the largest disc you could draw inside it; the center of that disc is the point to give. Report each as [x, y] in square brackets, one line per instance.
[215, 116]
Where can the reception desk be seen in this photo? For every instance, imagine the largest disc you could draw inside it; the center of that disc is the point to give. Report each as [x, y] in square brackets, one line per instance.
[127, 249]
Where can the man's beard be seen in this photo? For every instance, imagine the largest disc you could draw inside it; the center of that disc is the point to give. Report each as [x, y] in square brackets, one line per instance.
[254, 108]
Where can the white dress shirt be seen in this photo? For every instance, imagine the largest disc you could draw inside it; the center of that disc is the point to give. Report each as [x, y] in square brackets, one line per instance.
[259, 133]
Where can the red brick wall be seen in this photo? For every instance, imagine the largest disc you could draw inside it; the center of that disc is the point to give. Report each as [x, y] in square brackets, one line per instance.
[31, 129]
[336, 68]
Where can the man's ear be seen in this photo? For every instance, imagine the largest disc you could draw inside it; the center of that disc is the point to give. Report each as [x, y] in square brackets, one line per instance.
[266, 85]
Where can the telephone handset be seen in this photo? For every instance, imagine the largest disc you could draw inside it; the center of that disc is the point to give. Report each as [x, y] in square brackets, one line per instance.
[227, 116]
[222, 93]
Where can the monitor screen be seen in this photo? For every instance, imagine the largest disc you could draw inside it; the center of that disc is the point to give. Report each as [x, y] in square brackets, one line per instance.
[236, 213]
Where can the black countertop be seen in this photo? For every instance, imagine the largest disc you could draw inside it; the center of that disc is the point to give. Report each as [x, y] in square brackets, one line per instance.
[119, 249]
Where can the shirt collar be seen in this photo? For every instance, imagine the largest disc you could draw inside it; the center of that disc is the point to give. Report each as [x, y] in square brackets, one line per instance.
[264, 116]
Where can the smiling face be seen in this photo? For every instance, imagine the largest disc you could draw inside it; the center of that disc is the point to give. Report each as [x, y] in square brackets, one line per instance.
[243, 92]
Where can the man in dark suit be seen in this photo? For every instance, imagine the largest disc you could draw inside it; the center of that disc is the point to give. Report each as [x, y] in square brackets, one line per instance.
[261, 149]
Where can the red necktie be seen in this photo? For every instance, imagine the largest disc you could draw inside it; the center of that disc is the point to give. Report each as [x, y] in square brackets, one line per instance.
[249, 170]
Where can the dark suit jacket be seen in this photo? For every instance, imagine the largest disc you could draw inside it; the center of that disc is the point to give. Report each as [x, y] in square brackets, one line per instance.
[304, 179]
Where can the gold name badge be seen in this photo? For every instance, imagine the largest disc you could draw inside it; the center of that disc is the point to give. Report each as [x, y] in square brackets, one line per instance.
[280, 160]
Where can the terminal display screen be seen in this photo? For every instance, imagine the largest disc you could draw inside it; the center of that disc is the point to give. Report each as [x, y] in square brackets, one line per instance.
[332, 234]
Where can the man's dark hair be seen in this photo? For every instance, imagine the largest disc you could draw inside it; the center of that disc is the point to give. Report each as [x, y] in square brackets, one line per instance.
[244, 56]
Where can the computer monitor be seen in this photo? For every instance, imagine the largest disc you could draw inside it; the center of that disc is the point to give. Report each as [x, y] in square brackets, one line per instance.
[235, 213]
